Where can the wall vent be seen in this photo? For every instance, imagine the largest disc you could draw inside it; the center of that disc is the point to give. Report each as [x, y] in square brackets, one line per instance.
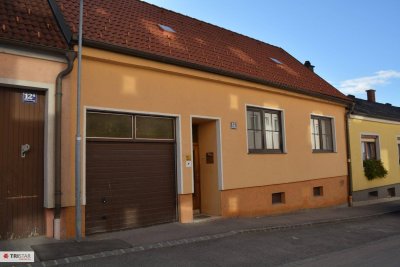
[278, 198]
[318, 191]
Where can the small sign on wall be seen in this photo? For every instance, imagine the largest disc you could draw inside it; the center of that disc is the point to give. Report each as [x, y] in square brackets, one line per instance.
[233, 125]
[29, 97]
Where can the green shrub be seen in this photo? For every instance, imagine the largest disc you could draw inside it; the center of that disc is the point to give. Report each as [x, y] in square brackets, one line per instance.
[374, 169]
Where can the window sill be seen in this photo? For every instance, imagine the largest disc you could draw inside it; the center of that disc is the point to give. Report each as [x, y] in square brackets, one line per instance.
[252, 152]
[323, 151]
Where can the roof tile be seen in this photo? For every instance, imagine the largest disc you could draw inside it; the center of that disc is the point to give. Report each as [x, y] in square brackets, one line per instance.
[30, 22]
[376, 110]
[134, 24]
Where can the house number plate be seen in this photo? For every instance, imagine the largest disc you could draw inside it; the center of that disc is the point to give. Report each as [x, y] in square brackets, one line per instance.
[29, 97]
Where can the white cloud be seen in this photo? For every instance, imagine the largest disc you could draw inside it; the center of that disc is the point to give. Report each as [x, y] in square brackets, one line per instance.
[358, 85]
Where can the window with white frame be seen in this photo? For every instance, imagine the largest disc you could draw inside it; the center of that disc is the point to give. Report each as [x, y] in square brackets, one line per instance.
[264, 130]
[369, 147]
[322, 134]
[398, 147]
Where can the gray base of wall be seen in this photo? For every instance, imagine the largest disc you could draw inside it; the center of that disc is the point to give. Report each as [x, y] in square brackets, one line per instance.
[377, 194]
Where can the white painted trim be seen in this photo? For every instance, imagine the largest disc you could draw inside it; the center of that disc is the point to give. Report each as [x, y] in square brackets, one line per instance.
[83, 157]
[358, 117]
[334, 134]
[136, 112]
[220, 157]
[247, 134]
[6, 49]
[219, 148]
[191, 152]
[398, 150]
[49, 135]
[333, 126]
[378, 144]
[264, 107]
[178, 130]
[179, 171]
[283, 122]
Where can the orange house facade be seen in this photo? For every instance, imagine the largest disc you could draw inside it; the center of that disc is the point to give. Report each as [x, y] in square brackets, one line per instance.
[215, 122]
[176, 127]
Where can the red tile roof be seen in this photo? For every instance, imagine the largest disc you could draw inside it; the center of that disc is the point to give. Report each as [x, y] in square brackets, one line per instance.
[133, 24]
[30, 22]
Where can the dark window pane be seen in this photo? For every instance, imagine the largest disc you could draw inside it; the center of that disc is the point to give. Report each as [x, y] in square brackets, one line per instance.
[258, 140]
[372, 147]
[250, 120]
[154, 128]
[250, 139]
[108, 125]
[369, 147]
[257, 120]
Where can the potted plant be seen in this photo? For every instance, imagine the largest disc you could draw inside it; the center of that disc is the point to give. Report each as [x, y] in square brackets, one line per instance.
[373, 169]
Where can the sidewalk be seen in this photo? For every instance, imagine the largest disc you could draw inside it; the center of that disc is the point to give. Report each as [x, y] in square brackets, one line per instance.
[175, 234]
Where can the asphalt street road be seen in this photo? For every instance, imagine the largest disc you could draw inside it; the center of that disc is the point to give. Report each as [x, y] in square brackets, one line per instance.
[373, 241]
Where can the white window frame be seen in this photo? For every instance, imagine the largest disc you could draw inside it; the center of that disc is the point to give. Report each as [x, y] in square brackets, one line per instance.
[398, 148]
[378, 144]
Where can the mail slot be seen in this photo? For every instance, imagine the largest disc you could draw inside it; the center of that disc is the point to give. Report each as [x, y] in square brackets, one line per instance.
[210, 157]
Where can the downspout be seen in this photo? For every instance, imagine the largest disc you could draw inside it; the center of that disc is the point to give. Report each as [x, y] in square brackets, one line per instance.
[70, 56]
[349, 167]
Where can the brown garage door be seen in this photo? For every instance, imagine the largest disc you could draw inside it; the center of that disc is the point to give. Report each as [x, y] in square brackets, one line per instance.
[129, 185]
[21, 163]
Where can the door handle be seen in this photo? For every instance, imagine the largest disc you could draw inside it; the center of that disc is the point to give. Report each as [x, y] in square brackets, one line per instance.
[24, 148]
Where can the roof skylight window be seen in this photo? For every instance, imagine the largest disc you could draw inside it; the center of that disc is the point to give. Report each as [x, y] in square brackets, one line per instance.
[166, 28]
[275, 60]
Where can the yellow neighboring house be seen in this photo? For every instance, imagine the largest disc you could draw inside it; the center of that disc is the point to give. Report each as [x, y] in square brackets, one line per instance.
[375, 134]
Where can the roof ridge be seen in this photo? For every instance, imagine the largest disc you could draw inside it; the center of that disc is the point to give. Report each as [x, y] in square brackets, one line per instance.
[389, 105]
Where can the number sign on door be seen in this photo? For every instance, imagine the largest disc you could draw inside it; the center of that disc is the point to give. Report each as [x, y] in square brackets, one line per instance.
[29, 97]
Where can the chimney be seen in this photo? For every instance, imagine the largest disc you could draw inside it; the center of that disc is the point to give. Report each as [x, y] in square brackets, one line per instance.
[371, 95]
[308, 65]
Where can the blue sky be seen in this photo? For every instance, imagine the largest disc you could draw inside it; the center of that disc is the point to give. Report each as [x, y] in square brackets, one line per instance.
[354, 45]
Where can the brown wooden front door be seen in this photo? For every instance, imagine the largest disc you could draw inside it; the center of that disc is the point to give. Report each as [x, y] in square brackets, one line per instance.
[21, 163]
[196, 176]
